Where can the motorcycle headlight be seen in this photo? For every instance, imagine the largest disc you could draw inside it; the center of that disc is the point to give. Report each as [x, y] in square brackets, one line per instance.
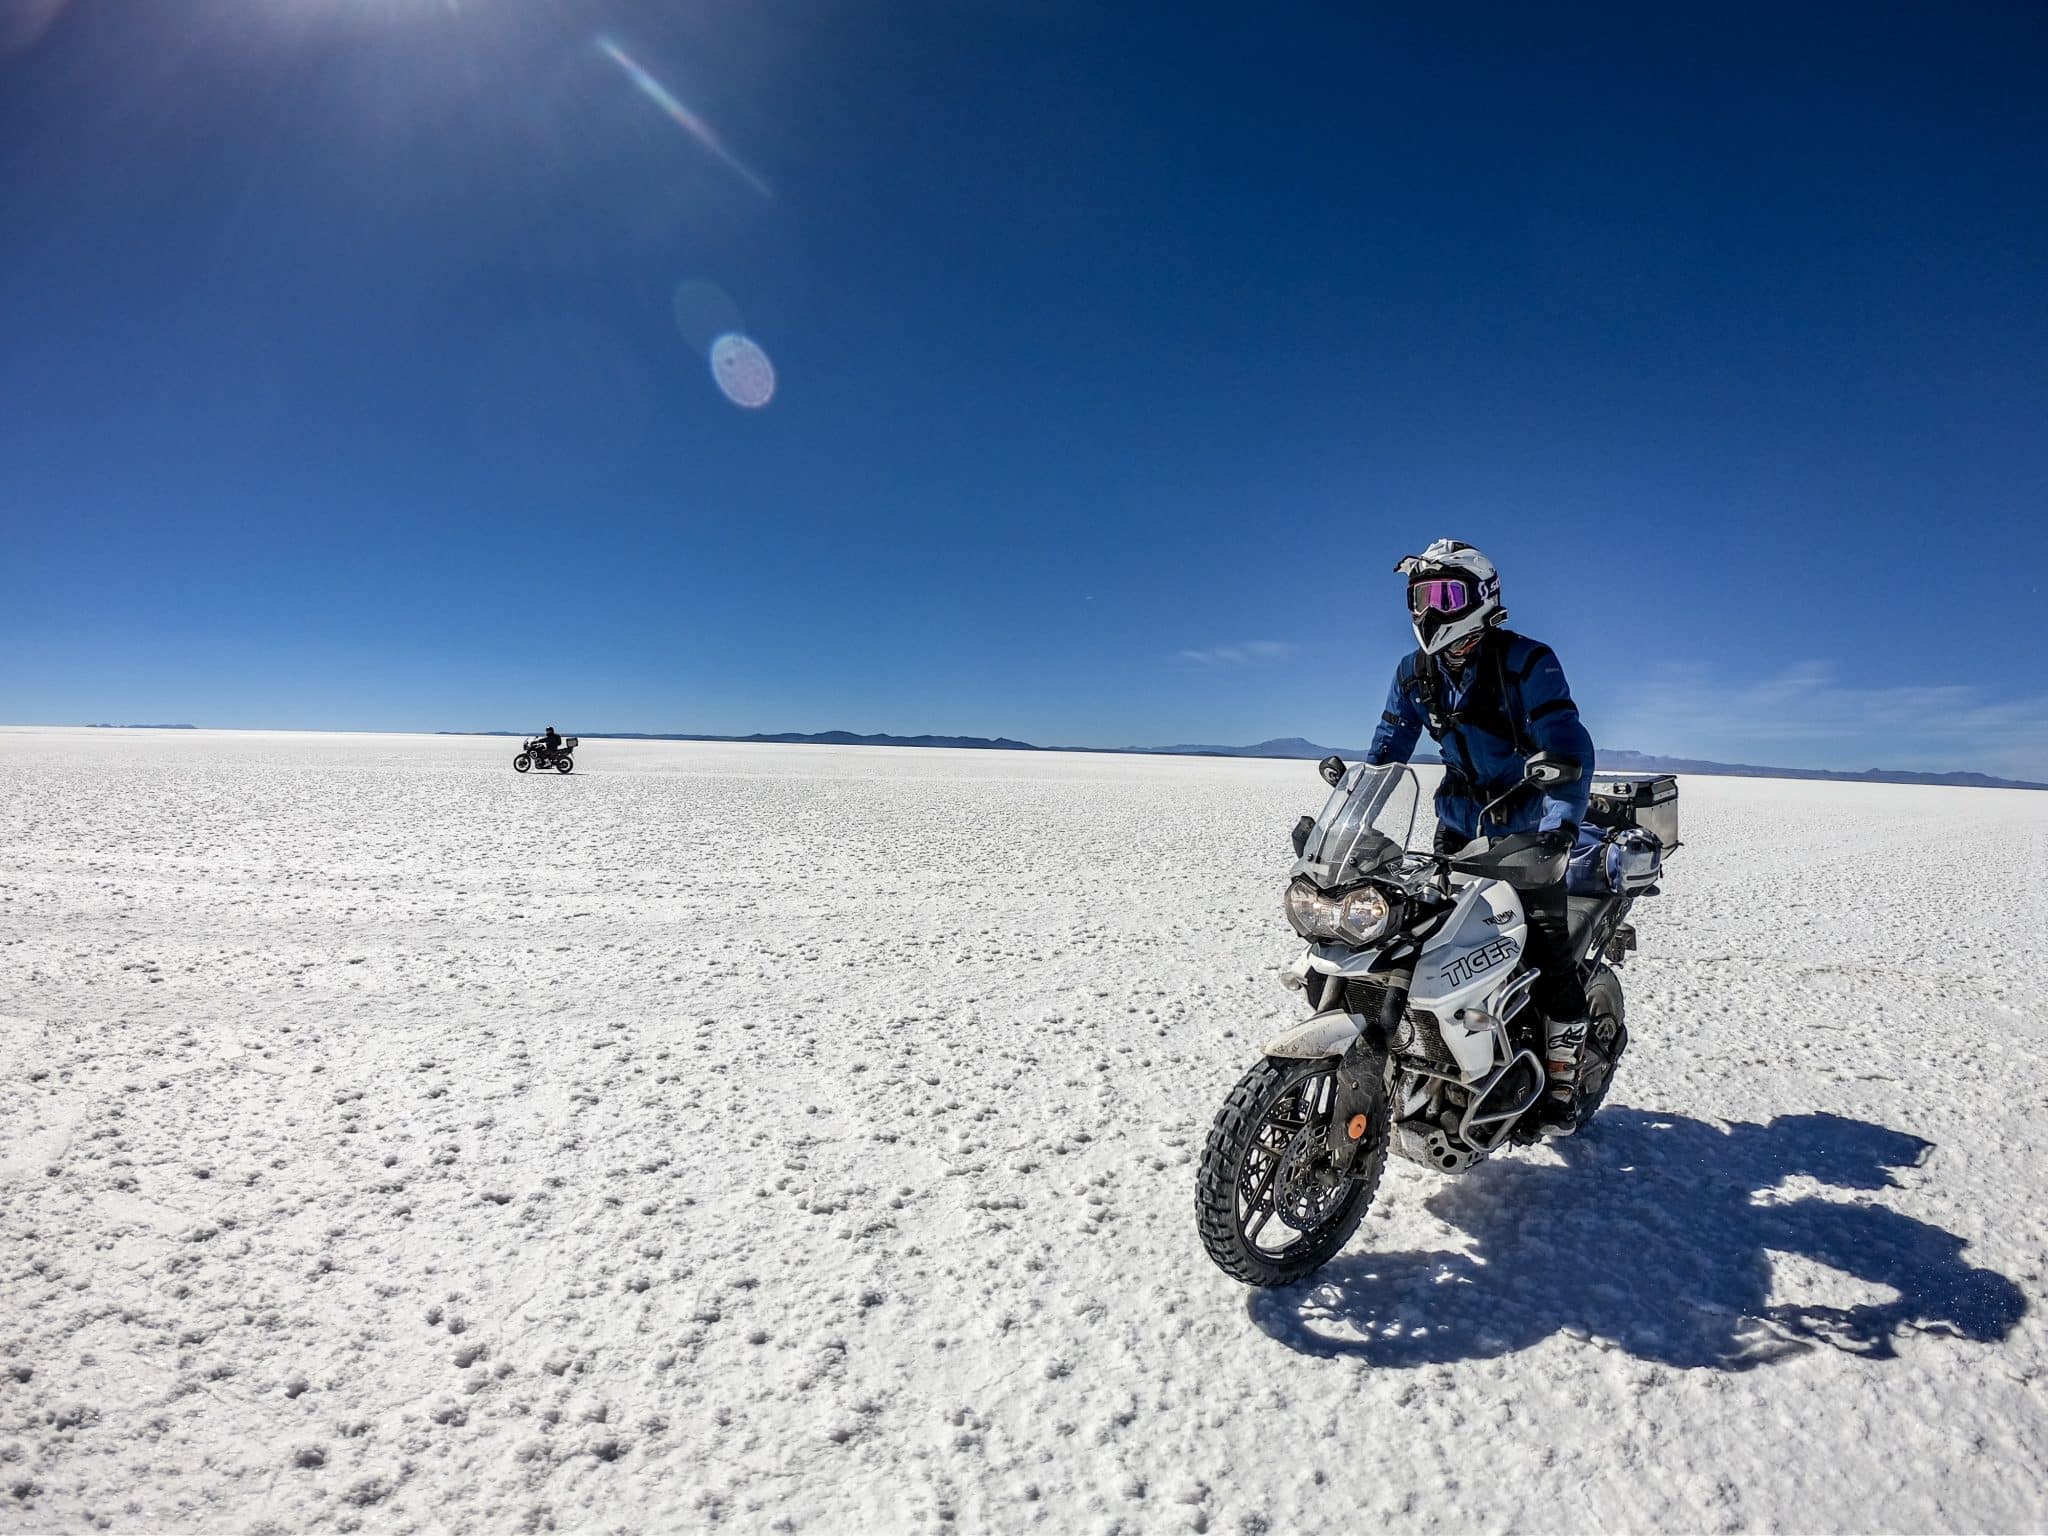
[1363, 915]
[1309, 912]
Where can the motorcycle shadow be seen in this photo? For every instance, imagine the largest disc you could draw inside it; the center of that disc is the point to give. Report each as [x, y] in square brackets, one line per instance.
[1651, 1238]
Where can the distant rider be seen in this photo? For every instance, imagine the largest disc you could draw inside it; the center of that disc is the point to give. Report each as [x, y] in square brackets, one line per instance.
[1491, 699]
[551, 741]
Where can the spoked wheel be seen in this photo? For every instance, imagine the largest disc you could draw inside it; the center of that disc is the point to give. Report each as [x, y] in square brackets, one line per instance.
[522, 762]
[563, 763]
[1270, 1204]
[1606, 1039]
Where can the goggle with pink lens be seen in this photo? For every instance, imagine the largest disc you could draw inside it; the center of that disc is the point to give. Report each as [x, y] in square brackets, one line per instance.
[1440, 596]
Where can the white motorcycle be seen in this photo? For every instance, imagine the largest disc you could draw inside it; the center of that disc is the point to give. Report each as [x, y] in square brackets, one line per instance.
[1422, 1036]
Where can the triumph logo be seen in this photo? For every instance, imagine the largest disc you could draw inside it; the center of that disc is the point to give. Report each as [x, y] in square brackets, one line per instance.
[1484, 958]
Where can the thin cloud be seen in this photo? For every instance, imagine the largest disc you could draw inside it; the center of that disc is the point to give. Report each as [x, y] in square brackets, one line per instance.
[1806, 712]
[1244, 653]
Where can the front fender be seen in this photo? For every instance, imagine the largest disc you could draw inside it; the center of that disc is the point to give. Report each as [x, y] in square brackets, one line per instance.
[1327, 1034]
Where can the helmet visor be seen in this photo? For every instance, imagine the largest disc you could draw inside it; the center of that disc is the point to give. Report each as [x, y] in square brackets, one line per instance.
[1445, 595]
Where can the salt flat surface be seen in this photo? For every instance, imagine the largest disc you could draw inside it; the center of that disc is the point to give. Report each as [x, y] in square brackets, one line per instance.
[791, 1138]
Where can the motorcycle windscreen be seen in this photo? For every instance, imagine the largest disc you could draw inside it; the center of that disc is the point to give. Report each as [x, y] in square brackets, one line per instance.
[1365, 824]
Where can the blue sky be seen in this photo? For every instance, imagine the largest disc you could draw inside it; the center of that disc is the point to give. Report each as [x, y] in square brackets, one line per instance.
[1119, 352]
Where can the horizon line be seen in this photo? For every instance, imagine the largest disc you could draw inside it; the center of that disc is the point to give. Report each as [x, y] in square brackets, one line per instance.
[1705, 767]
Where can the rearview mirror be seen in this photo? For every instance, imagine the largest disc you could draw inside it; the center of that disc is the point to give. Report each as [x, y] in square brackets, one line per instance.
[1547, 770]
[1331, 768]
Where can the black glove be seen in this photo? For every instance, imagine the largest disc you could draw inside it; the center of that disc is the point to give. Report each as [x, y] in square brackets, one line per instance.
[1447, 842]
[1557, 840]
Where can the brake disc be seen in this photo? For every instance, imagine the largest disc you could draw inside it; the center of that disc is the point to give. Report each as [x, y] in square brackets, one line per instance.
[1306, 1185]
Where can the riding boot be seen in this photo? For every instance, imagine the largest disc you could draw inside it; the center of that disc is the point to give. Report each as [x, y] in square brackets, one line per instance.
[1564, 1050]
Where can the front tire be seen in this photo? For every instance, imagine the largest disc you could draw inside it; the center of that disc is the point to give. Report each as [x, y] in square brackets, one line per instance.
[564, 763]
[1267, 1165]
[522, 762]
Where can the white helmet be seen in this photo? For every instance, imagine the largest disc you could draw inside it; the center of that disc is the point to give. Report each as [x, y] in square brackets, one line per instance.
[1453, 592]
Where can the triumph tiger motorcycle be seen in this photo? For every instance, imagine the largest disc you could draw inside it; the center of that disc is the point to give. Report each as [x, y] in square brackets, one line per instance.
[1422, 1035]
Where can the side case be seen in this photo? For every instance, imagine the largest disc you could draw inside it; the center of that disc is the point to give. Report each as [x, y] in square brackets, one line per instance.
[1645, 800]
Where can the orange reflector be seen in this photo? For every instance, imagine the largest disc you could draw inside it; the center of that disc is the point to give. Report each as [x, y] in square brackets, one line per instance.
[1357, 1127]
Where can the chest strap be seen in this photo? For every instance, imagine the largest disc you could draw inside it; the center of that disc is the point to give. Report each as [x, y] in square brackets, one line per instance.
[1507, 700]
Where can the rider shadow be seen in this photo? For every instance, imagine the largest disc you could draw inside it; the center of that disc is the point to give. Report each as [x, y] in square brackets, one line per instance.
[1656, 1236]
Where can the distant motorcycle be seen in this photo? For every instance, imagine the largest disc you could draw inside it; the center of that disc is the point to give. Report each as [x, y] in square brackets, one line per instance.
[535, 754]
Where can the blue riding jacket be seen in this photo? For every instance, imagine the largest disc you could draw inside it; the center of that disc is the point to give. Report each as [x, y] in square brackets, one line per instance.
[1510, 703]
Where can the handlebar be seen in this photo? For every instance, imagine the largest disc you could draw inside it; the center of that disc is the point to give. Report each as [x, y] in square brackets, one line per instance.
[1515, 860]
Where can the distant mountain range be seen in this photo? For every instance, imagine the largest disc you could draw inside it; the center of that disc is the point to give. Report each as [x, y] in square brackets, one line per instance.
[1279, 746]
[816, 739]
[1629, 762]
[1638, 762]
[1298, 747]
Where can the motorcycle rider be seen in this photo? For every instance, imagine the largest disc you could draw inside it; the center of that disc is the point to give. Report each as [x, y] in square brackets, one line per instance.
[1491, 699]
[551, 741]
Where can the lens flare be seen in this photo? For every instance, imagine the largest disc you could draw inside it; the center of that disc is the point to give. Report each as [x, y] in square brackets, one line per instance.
[681, 115]
[704, 312]
[743, 371]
